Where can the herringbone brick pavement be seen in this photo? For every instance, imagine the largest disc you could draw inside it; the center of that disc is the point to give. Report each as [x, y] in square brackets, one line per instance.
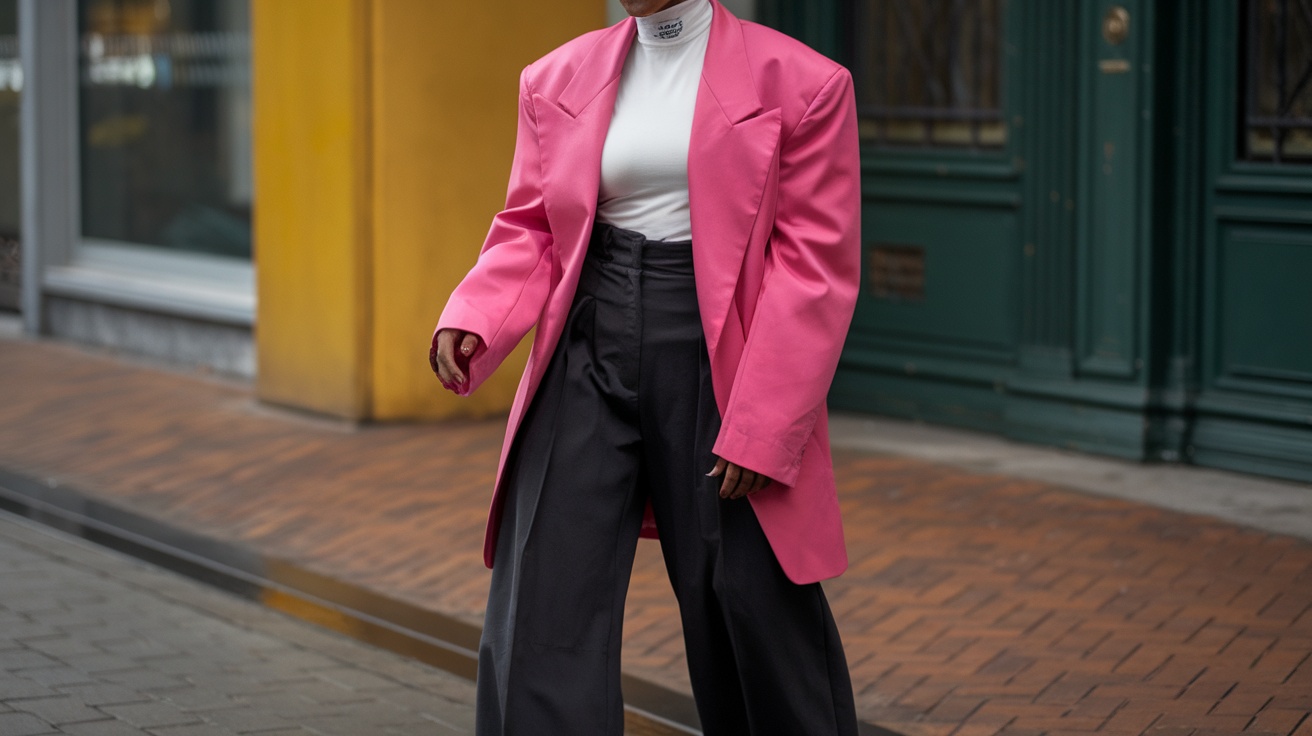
[976, 604]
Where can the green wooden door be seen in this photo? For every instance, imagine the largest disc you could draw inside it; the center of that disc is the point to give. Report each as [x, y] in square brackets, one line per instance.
[1254, 254]
[939, 323]
[1085, 223]
[1004, 221]
[1111, 174]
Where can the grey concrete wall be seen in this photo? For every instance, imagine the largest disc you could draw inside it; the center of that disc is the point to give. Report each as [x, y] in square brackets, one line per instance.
[185, 342]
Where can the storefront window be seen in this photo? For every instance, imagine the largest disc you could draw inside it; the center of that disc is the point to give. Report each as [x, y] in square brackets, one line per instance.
[929, 72]
[11, 85]
[165, 124]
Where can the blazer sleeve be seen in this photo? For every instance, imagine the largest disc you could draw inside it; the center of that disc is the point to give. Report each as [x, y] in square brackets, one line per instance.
[502, 296]
[808, 292]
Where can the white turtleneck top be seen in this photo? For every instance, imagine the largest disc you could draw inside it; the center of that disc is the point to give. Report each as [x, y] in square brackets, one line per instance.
[644, 165]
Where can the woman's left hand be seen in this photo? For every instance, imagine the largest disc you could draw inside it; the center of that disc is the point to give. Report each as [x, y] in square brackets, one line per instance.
[738, 481]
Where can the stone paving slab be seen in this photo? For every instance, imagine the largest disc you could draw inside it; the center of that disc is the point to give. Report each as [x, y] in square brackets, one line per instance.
[977, 602]
[94, 644]
[1280, 506]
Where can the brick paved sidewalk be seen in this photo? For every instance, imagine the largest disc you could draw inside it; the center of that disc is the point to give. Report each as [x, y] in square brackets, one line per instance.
[976, 603]
[94, 644]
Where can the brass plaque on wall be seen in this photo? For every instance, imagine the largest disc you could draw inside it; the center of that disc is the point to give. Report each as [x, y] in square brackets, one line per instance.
[896, 272]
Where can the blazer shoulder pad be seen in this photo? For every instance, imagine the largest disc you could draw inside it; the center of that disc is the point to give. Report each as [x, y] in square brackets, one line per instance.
[765, 42]
[788, 73]
[550, 73]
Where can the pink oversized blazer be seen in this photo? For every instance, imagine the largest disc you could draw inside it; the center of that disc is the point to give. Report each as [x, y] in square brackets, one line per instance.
[774, 186]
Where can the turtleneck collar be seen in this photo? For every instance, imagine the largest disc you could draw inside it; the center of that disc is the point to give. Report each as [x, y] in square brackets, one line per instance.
[675, 25]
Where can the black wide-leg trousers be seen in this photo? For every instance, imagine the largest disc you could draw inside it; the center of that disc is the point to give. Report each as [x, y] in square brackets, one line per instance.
[625, 414]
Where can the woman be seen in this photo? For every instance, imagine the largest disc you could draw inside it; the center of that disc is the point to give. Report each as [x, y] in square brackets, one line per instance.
[681, 141]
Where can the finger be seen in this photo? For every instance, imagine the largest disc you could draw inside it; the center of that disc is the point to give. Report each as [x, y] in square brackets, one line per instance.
[435, 350]
[719, 467]
[745, 484]
[469, 344]
[445, 338]
[762, 480]
[446, 358]
[443, 365]
[732, 474]
[450, 371]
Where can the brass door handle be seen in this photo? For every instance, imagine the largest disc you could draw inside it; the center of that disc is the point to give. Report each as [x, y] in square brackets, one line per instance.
[1116, 25]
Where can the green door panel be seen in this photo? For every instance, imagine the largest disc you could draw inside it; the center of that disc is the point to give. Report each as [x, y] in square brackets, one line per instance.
[970, 275]
[1264, 290]
[1109, 241]
[1253, 404]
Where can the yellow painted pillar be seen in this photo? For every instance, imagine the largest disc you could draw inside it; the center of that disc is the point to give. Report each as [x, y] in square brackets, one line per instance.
[311, 79]
[384, 132]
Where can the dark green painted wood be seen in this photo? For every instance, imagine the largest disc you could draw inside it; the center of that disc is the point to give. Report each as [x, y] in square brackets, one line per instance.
[1174, 322]
[997, 327]
[1254, 394]
[1145, 300]
[1113, 113]
[971, 284]
[1251, 447]
[1263, 286]
[1046, 129]
[821, 24]
[961, 207]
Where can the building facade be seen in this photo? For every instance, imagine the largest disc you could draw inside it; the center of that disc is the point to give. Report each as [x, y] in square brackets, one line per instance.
[275, 189]
[1086, 223]
[136, 176]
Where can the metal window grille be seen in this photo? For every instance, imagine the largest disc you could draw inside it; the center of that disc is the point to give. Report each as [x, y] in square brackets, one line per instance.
[1276, 122]
[928, 73]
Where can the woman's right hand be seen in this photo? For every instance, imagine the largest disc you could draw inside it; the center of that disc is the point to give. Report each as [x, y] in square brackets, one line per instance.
[452, 369]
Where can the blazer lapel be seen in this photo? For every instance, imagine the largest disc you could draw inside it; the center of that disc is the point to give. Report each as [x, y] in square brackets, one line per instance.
[734, 143]
[571, 134]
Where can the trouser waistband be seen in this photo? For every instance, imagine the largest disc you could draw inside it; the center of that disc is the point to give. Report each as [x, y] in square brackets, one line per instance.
[634, 250]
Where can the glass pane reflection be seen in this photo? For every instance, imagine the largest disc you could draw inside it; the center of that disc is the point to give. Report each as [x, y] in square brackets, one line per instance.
[1277, 122]
[929, 72]
[165, 123]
